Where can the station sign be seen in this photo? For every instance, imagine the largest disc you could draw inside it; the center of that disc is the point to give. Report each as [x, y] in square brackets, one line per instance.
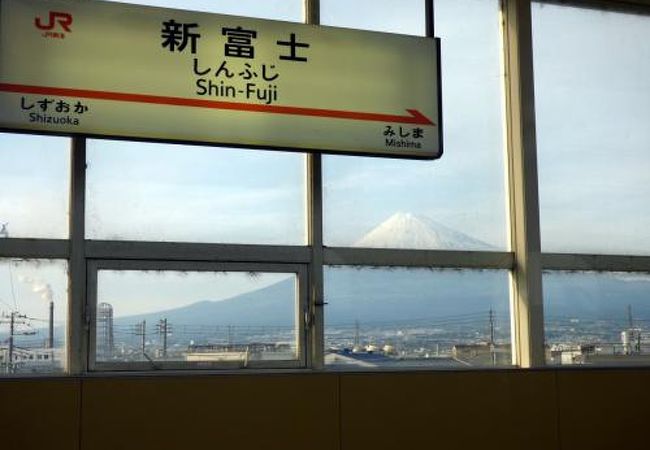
[137, 72]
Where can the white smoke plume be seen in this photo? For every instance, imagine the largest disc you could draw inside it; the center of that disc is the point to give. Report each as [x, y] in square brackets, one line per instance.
[39, 287]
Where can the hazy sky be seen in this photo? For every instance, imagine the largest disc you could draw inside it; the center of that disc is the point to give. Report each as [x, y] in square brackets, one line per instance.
[28, 286]
[125, 290]
[200, 194]
[592, 82]
[592, 72]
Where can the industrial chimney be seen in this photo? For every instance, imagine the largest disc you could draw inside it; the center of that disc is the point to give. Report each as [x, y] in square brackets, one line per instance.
[50, 338]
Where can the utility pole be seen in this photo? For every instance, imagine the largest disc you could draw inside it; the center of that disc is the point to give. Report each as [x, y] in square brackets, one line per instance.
[50, 334]
[164, 333]
[491, 327]
[357, 333]
[141, 330]
[144, 335]
[491, 343]
[163, 328]
[632, 332]
[13, 319]
[629, 316]
[10, 363]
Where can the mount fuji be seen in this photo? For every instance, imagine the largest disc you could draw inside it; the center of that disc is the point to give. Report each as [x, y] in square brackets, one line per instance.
[406, 230]
[405, 294]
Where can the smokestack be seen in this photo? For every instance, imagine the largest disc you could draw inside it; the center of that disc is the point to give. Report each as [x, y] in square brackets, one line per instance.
[50, 339]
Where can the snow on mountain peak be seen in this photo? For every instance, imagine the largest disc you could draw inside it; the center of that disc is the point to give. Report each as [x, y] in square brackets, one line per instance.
[407, 230]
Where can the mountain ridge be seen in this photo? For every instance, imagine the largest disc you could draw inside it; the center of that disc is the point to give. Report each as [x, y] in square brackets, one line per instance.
[411, 231]
[376, 294]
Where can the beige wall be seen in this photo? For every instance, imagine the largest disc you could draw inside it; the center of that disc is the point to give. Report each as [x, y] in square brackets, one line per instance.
[546, 409]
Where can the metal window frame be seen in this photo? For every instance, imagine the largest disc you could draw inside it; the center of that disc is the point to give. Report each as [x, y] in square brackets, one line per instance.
[626, 6]
[314, 172]
[453, 259]
[94, 266]
[184, 251]
[34, 248]
[523, 184]
[77, 318]
[595, 263]
[521, 147]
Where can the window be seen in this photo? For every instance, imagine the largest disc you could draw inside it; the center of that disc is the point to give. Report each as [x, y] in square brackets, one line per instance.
[268, 9]
[151, 316]
[457, 202]
[403, 318]
[157, 192]
[591, 95]
[592, 98]
[33, 316]
[597, 318]
[34, 188]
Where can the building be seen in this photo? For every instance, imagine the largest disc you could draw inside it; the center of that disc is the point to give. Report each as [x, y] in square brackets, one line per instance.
[484, 354]
[105, 335]
[242, 353]
[32, 361]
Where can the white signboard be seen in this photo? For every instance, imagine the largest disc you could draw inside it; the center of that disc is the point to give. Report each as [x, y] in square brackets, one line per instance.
[110, 69]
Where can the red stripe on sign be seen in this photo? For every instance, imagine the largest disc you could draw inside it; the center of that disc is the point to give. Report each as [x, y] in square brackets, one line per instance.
[413, 117]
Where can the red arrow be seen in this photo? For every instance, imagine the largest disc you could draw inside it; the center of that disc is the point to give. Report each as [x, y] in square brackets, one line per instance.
[413, 117]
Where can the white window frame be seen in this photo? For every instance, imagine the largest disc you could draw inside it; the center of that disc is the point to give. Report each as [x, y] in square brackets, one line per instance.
[94, 266]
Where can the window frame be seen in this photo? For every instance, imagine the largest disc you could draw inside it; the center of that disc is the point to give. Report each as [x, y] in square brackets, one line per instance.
[589, 262]
[96, 265]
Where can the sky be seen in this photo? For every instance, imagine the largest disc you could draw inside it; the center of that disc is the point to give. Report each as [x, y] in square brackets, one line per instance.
[592, 129]
[592, 75]
[194, 194]
[173, 289]
[28, 287]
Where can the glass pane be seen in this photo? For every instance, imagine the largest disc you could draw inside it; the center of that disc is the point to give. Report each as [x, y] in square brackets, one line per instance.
[457, 202]
[156, 192]
[592, 86]
[405, 16]
[33, 316]
[35, 183]
[597, 318]
[290, 10]
[206, 318]
[403, 318]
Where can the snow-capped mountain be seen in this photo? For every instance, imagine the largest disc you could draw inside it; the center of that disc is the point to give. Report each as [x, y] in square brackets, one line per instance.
[406, 230]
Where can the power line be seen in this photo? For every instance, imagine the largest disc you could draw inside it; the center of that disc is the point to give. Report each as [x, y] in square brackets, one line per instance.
[7, 304]
[468, 319]
[11, 283]
[14, 319]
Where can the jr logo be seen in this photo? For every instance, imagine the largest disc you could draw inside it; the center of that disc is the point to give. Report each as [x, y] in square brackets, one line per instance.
[63, 19]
